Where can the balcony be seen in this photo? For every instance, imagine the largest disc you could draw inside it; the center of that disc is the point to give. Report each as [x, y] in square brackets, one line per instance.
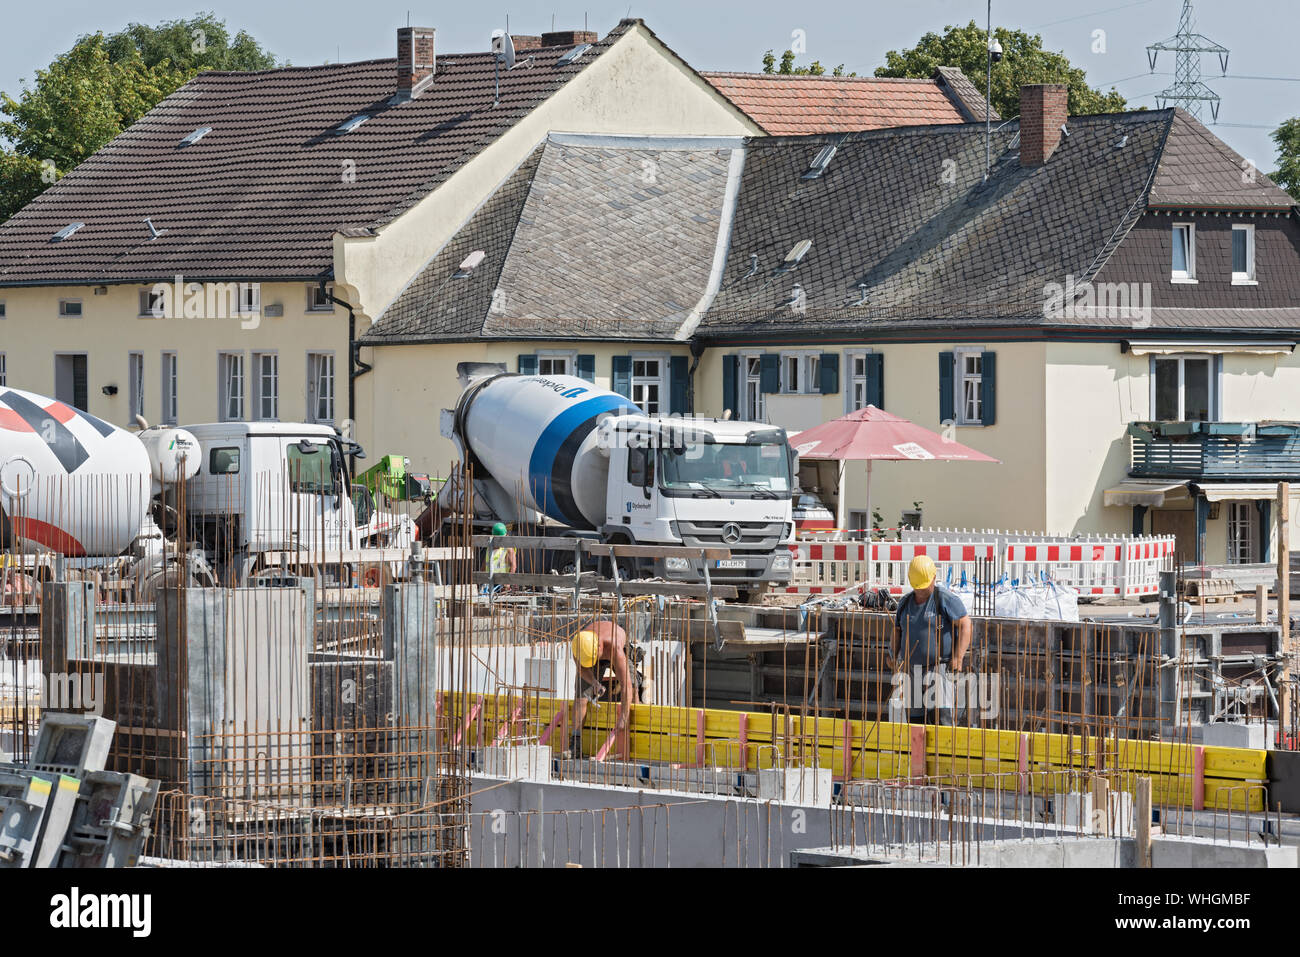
[1231, 451]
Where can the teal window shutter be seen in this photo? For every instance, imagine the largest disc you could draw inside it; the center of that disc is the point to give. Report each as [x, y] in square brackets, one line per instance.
[769, 379]
[678, 373]
[876, 379]
[623, 375]
[829, 367]
[730, 388]
[528, 364]
[947, 410]
[587, 367]
[989, 387]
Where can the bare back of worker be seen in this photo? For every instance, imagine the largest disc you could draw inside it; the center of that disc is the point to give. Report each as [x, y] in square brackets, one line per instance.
[601, 646]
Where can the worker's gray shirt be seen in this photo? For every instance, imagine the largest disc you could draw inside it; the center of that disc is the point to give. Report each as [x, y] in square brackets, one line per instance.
[926, 627]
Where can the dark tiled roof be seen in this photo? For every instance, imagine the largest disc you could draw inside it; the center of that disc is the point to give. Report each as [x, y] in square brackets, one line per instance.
[1200, 170]
[903, 222]
[260, 196]
[613, 242]
[785, 104]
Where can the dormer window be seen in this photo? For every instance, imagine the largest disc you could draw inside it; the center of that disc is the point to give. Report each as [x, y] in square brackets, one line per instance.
[1243, 255]
[1184, 261]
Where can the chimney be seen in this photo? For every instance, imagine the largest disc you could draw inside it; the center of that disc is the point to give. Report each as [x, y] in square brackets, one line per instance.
[525, 42]
[415, 61]
[568, 38]
[1044, 108]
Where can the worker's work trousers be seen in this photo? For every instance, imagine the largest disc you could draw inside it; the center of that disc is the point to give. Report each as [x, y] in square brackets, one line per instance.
[926, 696]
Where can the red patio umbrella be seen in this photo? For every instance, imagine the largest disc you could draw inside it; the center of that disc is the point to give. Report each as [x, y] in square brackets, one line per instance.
[871, 434]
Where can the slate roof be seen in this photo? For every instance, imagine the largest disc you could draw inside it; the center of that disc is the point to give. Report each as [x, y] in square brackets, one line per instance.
[1197, 169]
[786, 104]
[260, 196]
[583, 240]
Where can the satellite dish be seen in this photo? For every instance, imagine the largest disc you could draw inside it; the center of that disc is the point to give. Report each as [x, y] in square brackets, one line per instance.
[503, 48]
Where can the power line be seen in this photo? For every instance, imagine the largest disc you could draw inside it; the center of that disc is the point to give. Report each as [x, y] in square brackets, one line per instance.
[1188, 91]
[1095, 13]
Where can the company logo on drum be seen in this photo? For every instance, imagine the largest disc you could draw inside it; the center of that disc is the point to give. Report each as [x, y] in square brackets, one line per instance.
[564, 389]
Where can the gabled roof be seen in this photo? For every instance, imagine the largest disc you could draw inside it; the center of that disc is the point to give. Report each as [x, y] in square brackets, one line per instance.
[261, 195]
[1199, 170]
[788, 104]
[597, 237]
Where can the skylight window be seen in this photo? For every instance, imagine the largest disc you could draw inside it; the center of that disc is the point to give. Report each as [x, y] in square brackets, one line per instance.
[469, 265]
[65, 232]
[820, 162]
[347, 126]
[197, 135]
[572, 55]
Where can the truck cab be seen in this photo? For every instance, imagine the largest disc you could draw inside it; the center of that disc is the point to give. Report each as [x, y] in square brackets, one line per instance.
[707, 483]
[279, 486]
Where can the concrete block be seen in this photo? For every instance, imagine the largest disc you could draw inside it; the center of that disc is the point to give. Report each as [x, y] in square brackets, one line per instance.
[1201, 852]
[796, 785]
[528, 762]
[1235, 735]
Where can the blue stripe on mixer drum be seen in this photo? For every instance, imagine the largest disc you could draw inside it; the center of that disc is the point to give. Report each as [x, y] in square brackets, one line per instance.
[548, 467]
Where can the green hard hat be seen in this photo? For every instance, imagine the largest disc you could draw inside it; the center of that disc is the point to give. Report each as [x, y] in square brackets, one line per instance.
[498, 529]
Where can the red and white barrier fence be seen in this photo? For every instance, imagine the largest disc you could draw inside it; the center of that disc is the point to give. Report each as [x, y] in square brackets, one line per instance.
[1123, 567]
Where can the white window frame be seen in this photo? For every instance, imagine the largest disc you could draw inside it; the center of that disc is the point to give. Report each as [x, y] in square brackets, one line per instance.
[313, 290]
[660, 380]
[1252, 530]
[1187, 275]
[809, 371]
[758, 411]
[852, 379]
[313, 384]
[1216, 378]
[135, 383]
[959, 377]
[63, 306]
[146, 306]
[260, 395]
[250, 298]
[223, 386]
[570, 357]
[1246, 278]
[169, 382]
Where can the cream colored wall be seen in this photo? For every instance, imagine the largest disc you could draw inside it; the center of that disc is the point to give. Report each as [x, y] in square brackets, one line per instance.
[1009, 495]
[417, 382]
[636, 87]
[32, 332]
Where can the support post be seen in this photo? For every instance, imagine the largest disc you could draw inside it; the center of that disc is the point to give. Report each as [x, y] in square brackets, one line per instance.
[1202, 515]
[1143, 822]
[1284, 602]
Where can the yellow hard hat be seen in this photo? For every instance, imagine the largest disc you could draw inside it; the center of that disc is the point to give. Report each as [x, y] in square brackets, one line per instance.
[586, 648]
[921, 573]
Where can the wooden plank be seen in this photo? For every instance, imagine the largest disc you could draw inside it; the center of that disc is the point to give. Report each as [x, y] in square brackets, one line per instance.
[654, 551]
[668, 589]
[586, 580]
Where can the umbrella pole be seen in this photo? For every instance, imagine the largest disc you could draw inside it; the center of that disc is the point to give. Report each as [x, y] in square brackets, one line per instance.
[870, 520]
[841, 523]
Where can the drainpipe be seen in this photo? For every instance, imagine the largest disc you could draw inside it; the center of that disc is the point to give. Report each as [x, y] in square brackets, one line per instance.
[356, 368]
[697, 352]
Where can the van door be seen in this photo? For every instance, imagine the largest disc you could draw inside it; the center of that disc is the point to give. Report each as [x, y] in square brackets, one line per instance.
[317, 496]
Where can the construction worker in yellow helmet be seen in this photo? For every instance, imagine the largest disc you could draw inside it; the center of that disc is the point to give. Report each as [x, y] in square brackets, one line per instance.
[932, 633]
[600, 646]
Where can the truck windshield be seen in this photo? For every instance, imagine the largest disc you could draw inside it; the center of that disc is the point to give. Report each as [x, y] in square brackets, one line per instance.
[311, 469]
[759, 469]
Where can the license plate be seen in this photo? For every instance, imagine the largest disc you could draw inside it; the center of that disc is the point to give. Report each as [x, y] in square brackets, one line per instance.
[732, 563]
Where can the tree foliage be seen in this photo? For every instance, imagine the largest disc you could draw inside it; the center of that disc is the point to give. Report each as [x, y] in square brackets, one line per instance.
[1023, 61]
[1287, 138]
[787, 67]
[101, 86]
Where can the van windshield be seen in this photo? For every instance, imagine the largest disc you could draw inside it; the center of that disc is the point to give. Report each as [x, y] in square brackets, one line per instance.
[759, 469]
[311, 469]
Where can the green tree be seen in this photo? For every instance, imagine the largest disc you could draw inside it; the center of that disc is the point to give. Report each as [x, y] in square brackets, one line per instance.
[787, 67]
[100, 87]
[1023, 61]
[1287, 138]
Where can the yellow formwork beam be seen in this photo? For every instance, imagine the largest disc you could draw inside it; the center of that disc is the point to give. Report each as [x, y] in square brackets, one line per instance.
[882, 750]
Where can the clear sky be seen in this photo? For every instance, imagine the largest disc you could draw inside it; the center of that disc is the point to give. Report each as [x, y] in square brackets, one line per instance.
[1261, 90]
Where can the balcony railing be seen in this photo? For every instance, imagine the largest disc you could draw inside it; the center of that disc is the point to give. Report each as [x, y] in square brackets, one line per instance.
[1235, 451]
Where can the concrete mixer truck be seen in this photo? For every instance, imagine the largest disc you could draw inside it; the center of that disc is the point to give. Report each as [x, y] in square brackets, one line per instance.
[563, 454]
[113, 504]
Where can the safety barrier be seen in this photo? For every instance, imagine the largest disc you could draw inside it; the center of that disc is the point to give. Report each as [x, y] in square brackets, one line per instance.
[1097, 567]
